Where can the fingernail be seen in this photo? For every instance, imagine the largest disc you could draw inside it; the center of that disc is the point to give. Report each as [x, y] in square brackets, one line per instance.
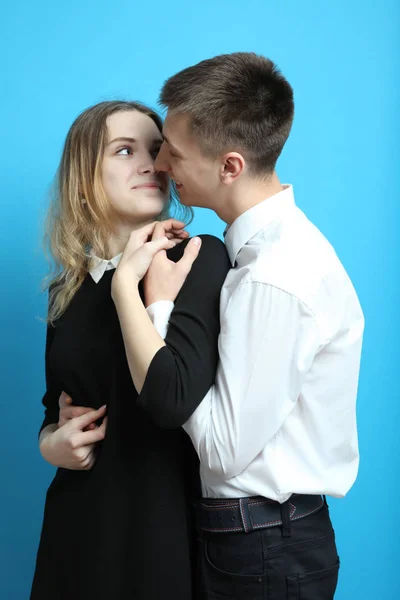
[197, 241]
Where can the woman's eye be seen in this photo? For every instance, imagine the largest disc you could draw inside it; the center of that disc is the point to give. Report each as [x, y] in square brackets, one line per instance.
[124, 151]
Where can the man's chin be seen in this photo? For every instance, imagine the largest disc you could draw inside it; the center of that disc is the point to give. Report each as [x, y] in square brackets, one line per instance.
[183, 197]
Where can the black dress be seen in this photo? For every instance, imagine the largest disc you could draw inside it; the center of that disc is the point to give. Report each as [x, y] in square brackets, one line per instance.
[125, 529]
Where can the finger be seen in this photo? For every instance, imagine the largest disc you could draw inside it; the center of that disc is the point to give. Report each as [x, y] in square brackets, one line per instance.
[87, 457]
[181, 234]
[64, 399]
[158, 229]
[90, 462]
[177, 240]
[139, 237]
[161, 254]
[189, 256]
[159, 232]
[170, 224]
[90, 427]
[170, 228]
[70, 412]
[155, 246]
[104, 424]
[92, 437]
[88, 418]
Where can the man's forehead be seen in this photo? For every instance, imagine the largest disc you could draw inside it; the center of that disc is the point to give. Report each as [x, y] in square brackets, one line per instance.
[175, 124]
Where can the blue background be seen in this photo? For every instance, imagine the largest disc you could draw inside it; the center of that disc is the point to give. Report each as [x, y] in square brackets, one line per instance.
[342, 59]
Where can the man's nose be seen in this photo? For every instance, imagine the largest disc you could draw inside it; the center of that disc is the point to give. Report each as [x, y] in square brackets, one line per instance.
[161, 163]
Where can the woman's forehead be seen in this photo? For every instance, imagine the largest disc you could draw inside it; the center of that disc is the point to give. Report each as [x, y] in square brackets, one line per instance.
[133, 124]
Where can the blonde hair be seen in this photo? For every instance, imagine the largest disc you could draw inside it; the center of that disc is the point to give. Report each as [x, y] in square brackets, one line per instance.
[79, 218]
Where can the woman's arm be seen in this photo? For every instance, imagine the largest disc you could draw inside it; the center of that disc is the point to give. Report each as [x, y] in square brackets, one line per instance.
[179, 371]
[52, 394]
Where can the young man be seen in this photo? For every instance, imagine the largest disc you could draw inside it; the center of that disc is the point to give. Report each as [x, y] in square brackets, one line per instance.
[278, 429]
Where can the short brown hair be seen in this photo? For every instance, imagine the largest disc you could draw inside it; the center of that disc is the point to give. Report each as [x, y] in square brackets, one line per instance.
[236, 101]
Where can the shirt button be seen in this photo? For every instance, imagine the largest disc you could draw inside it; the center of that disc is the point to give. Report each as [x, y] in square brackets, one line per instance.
[260, 580]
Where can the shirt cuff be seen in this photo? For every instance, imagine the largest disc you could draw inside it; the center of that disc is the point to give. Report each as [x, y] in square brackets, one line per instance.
[159, 313]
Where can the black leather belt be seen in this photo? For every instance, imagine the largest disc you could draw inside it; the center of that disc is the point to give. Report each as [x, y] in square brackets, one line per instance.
[247, 514]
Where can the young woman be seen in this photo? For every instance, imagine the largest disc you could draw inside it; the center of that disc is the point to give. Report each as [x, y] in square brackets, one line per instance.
[118, 520]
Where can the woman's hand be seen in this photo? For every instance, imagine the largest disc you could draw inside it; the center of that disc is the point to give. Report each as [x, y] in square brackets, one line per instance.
[71, 446]
[141, 249]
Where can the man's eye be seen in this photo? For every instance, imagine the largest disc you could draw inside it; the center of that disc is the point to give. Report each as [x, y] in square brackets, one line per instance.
[155, 152]
[124, 151]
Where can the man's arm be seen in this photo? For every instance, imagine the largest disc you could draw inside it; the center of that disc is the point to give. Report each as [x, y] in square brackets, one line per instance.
[268, 341]
[159, 313]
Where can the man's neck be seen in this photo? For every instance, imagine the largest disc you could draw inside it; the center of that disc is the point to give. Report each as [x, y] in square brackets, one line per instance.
[247, 195]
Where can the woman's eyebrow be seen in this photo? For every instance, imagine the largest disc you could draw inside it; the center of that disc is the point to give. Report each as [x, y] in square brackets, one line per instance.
[155, 142]
[122, 139]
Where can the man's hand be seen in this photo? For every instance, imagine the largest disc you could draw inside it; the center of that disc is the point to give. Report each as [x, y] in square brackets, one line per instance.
[165, 277]
[68, 412]
[141, 249]
[72, 446]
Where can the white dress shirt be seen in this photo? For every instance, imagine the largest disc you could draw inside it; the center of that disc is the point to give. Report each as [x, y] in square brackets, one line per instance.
[280, 418]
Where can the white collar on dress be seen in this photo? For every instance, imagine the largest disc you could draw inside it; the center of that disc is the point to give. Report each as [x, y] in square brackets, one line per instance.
[100, 265]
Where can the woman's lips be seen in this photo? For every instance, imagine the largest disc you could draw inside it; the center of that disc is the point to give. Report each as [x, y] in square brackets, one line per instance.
[150, 186]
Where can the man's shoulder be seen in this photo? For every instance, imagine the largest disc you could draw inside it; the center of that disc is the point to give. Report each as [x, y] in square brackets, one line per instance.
[212, 261]
[300, 261]
[212, 242]
[212, 248]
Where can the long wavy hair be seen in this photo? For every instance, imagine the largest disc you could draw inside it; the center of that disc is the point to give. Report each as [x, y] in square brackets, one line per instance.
[73, 227]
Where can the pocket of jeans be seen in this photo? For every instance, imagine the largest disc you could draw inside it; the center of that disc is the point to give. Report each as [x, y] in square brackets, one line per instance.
[221, 583]
[317, 585]
[222, 576]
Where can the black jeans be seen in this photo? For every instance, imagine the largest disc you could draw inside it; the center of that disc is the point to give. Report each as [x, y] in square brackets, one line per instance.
[265, 565]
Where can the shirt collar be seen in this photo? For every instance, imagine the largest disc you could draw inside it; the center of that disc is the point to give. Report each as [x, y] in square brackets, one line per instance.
[100, 265]
[248, 224]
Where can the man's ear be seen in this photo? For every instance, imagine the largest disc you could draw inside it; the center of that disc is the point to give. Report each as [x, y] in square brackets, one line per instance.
[232, 167]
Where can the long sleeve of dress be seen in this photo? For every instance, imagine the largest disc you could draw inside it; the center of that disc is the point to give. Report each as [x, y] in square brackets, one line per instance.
[52, 393]
[182, 372]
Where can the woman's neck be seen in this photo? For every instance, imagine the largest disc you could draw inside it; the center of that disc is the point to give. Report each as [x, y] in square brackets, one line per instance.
[120, 236]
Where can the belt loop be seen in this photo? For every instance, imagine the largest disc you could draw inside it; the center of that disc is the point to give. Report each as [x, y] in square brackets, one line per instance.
[245, 514]
[285, 514]
[325, 501]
